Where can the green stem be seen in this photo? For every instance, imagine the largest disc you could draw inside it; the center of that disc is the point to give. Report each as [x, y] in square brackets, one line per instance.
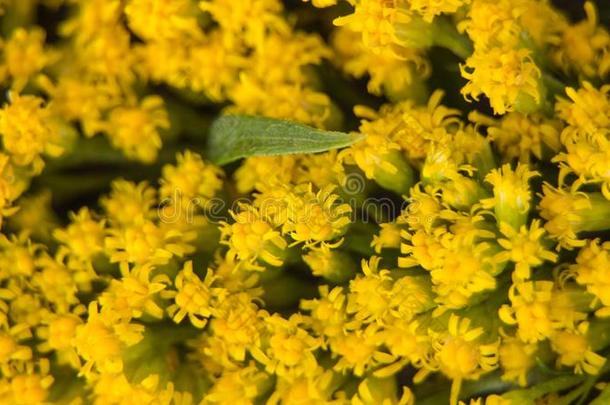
[447, 36]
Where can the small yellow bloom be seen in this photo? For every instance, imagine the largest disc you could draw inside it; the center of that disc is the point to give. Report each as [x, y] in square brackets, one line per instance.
[314, 218]
[252, 240]
[508, 77]
[28, 131]
[135, 129]
[530, 310]
[194, 297]
[524, 248]
[575, 351]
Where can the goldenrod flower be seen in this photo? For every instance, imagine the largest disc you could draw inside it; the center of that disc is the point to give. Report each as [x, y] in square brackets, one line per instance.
[575, 351]
[99, 341]
[289, 348]
[314, 218]
[237, 327]
[28, 131]
[333, 265]
[369, 295]
[375, 21]
[191, 178]
[145, 243]
[129, 203]
[508, 77]
[524, 248]
[530, 310]
[520, 136]
[512, 194]
[134, 295]
[584, 46]
[82, 243]
[569, 211]
[32, 386]
[135, 130]
[315, 389]
[242, 385]
[591, 271]
[359, 351]
[251, 240]
[24, 55]
[381, 391]
[169, 20]
[389, 74]
[517, 358]
[328, 312]
[263, 172]
[194, 297]
[461, 353]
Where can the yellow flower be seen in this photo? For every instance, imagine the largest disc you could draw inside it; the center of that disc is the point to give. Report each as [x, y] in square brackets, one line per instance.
[11, 351]
[564, 211]
[134, 294]
[82, 241]
[237, 327]
[323, 169]
[461, 354]
[591, 270]
[100, 341]
[252, 240]
[263, 172]
[516, 359]
[431, 8]
[153, 20]
[328, 315]
[145, 243]
[129, 203]
[406, 340]
[81, 99]
[381, 391]
[370, 294]
[135, 129]
[585, 46]
[56, 282]
[24, 56]
[292, 101]
[574, 350]
[308, 390]
[493, 23]
[11, 186]
[587, 110]
[333, 265]
[512, 194]
[375, 21]
[358, 351]
[508, 77]
[289, 348]
[240, 386]
[519, 136]
[32, 387]
[530, 310]
[247, 21]
[194, 297]
[313, 218]
[388, 237]
[28, 131]
[387, 73]
[35, 215]
[191, 178]
[524, 248]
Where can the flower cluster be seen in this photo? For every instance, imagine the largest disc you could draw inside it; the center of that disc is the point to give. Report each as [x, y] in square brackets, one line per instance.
[456, 251]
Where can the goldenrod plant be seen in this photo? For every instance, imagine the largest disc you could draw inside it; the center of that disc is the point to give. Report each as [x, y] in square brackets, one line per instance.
[267, 202]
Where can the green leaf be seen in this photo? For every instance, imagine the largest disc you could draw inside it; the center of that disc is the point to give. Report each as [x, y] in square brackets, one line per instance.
[236, 136]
